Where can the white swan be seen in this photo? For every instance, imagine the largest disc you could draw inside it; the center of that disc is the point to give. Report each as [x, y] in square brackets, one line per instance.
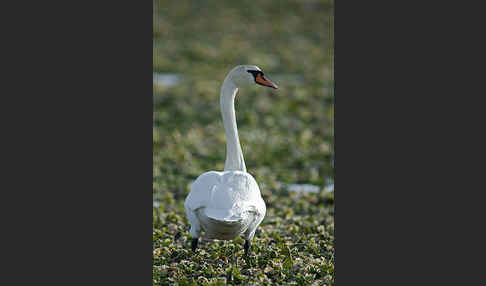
[228, 204]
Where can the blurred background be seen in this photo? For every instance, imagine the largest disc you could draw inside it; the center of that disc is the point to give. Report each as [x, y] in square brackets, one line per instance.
[286, 134]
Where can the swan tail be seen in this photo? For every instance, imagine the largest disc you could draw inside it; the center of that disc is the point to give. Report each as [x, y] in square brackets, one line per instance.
[223, 216]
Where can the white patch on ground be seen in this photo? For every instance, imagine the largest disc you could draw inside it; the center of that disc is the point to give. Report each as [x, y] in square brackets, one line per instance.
[303, 188]
[165, 79]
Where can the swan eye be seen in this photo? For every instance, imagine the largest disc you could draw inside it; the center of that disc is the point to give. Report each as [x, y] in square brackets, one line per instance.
[255, 73]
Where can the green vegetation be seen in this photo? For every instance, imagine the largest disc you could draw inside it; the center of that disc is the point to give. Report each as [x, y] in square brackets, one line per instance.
[286, 136]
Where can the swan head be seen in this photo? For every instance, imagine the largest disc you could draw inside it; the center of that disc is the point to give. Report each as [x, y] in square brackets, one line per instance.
[247, 75]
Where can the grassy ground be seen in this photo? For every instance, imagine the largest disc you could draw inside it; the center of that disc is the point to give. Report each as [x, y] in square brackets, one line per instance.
[286, 136]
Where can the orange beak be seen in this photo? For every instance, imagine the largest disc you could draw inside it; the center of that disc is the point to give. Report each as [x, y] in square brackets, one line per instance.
[260, 79]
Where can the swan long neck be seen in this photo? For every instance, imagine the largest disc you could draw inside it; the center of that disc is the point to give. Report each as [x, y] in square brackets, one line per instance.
[234, 154]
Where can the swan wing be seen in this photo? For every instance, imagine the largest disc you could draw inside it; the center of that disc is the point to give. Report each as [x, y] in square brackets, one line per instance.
[226, 195]
[201, 189]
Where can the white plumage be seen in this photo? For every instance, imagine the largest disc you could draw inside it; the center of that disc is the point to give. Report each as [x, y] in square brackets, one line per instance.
[228, 204]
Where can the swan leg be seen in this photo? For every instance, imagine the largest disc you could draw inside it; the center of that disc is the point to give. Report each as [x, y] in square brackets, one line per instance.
[194, 244]
[250, 232]
[195, 227]
[247, 246]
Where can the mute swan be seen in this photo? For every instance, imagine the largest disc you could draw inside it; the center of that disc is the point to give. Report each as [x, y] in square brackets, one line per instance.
[228, 204]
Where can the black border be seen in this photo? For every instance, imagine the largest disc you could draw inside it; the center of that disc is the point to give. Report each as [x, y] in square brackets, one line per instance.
[407, 206]
[77, 152]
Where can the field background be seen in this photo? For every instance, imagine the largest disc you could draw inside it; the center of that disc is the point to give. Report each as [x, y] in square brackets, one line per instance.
[286, 136]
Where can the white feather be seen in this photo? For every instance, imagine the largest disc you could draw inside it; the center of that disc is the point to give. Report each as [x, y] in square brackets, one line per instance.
[225, 204]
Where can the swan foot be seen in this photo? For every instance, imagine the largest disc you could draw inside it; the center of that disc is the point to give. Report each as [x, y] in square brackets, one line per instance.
[177, 236]
[194, 244]
[247, 247]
